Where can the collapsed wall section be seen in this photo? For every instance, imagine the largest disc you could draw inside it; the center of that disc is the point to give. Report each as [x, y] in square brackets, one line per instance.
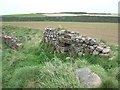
[11, 42]
[74, 43]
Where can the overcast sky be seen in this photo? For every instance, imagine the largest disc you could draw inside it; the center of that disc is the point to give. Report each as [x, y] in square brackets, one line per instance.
[49, 6]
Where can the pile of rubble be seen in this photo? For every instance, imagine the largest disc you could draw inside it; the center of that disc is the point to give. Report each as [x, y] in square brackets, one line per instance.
[11, 42]
[74, 43]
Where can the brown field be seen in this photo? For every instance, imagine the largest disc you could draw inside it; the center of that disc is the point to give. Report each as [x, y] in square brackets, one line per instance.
[104, 31]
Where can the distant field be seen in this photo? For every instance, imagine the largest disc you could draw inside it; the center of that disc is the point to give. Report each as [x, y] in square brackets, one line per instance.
[26, 15]
[104, 31]
[63, 17]
[66, 14]
[61, 14]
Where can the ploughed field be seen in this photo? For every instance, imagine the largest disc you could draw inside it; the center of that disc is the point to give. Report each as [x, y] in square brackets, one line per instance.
[105, 31]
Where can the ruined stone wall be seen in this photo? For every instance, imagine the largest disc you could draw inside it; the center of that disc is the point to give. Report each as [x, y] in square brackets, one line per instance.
[74, 43]
[11, 42]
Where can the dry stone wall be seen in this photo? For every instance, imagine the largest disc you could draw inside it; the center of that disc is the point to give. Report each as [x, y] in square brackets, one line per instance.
[74, 43]
[11, 42]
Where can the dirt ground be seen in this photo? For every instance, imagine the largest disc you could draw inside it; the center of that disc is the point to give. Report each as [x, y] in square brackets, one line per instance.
[104, 31]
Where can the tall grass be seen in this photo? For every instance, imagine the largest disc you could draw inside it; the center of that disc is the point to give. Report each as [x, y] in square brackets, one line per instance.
[37, 66]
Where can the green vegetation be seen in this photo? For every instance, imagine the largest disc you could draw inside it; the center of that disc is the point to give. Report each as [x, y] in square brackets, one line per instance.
[36, 65]
[41, 17]
[74, 12]
[25, 15]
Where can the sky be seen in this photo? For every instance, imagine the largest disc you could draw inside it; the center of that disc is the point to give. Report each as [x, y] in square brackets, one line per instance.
[50, 6]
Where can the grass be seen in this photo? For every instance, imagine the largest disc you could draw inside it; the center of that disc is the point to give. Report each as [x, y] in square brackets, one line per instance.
[26, 15]
[36, 66]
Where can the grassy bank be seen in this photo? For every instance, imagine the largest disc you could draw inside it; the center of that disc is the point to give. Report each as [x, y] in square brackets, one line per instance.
[35, 65]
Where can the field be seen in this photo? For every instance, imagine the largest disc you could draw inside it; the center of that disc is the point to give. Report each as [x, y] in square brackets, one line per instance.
[25, 15]
[60, 14]
[35, 66]
[66, 14]
[105, 31]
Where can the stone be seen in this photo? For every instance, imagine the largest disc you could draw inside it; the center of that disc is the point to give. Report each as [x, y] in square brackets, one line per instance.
[106, 50]
[88, 78]
[93, 42]
[68, 36]
[112, 58]
[89, 38]
[84, 45]
[91, 47]
[63, 49]
[99, 48]
[86, 50]
[103, 45]
[72, 42]
[83, 39]
[82, 72]
[61, 32]
[87, 41]
[94, 46]
[104, 55]
[77, 40]
[95, 52]
[80, 53]
[11, 42]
